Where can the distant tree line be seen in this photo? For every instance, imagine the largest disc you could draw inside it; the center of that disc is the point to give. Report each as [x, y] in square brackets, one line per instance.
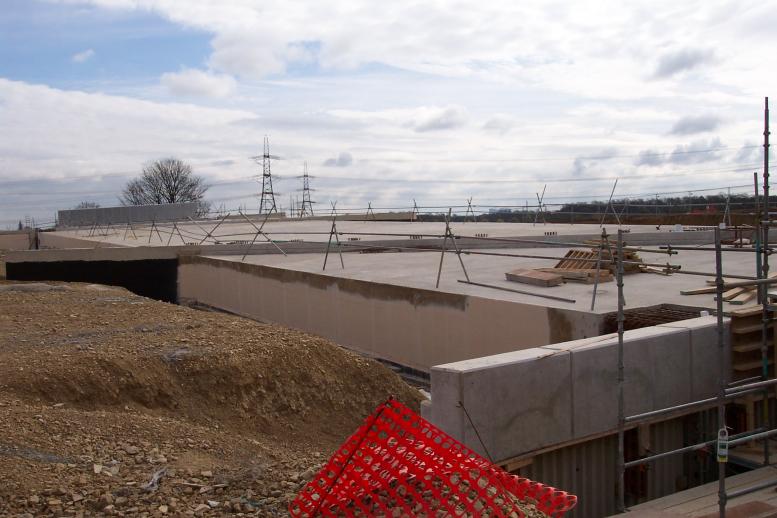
[696, 209]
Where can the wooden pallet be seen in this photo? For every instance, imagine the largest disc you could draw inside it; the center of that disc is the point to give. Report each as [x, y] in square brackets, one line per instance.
[578, 259]
[746, 340]
[746, 329]
[630, 256]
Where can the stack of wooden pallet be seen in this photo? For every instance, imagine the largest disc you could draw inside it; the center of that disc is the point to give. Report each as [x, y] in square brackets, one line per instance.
[630, 257]
[746, 361]
[746, 339]
[580, 266]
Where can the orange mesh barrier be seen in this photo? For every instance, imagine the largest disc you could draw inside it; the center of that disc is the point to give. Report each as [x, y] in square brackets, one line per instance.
[398, 464]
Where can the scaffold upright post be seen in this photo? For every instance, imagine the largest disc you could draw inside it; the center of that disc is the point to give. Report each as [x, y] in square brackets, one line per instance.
[621, 378]
[764, 293]
[721, 403]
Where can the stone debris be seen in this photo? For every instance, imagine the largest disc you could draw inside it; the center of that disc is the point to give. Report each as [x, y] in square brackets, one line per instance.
[98, 417]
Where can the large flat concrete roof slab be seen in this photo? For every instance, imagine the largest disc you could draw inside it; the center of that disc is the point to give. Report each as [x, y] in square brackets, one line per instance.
[318, 231]
[419, 270]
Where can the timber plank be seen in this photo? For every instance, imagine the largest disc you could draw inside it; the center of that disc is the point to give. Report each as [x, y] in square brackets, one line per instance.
[534, 277]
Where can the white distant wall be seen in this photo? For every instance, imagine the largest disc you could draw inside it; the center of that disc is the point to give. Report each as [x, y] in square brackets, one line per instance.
[126, 214]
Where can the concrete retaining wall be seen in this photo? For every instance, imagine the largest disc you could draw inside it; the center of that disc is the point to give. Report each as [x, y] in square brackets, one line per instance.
[538, 398]
[128, 214]
[54, 240]
[413, 327]
[150, 272]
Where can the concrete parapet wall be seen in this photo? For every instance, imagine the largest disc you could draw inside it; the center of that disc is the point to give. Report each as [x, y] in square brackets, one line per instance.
[15, 240]
[54, 240]
[532, 399]
[92, 254]
[414, 327]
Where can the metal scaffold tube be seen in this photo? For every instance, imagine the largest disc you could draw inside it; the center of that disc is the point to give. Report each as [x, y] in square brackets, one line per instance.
[764, 291]
[621, 407]
[721, 399]
[746, 436]
[722, 383]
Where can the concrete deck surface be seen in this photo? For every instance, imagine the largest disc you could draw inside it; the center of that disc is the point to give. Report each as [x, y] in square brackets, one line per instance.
[419, 270]
[318, 230]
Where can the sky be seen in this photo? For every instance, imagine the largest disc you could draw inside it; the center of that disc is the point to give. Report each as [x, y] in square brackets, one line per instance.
[386, 102]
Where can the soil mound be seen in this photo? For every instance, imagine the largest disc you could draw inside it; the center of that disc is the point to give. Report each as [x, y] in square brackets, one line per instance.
[93, 375]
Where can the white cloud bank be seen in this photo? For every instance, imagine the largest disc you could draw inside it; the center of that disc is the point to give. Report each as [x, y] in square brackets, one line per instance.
[192, 82]
[457, 93]
[601, 47]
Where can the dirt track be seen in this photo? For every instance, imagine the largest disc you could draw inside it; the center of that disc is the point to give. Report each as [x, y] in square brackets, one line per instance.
[101, 390]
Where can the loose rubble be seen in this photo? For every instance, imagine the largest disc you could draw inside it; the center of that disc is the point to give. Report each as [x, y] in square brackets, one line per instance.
[116, 405]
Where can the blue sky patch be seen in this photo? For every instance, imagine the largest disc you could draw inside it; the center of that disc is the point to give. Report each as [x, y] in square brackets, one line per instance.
[39, 40]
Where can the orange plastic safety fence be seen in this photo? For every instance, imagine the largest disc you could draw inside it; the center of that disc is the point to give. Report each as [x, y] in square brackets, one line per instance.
[399, 464]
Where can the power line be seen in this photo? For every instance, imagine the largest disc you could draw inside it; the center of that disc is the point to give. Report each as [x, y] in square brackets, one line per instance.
[391, 179]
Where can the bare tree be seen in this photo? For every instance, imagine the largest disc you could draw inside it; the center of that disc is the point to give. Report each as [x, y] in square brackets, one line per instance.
[165, 181]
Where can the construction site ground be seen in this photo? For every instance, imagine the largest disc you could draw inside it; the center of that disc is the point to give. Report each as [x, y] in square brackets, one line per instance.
[114, 404]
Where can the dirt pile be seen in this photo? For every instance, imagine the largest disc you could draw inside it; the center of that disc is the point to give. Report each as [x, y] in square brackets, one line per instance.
[102, 390]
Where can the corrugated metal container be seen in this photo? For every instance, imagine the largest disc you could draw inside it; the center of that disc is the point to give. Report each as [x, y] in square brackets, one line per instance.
[586, 470]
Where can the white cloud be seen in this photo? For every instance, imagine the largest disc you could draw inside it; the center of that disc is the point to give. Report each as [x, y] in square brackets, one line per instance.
[192, 82]
[82, 57]
[501, 124]
[442, 119]
[695, 124]
[103, 132]
[427, 91]
[344, 159]
[591, 47]
[682, 60]
[421, 119]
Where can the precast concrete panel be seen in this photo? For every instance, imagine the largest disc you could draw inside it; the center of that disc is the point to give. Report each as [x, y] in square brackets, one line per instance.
[664, 366]
[126, 214]
[522, 400]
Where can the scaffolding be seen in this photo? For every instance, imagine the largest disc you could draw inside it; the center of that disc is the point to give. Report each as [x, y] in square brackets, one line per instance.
[728, 390]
